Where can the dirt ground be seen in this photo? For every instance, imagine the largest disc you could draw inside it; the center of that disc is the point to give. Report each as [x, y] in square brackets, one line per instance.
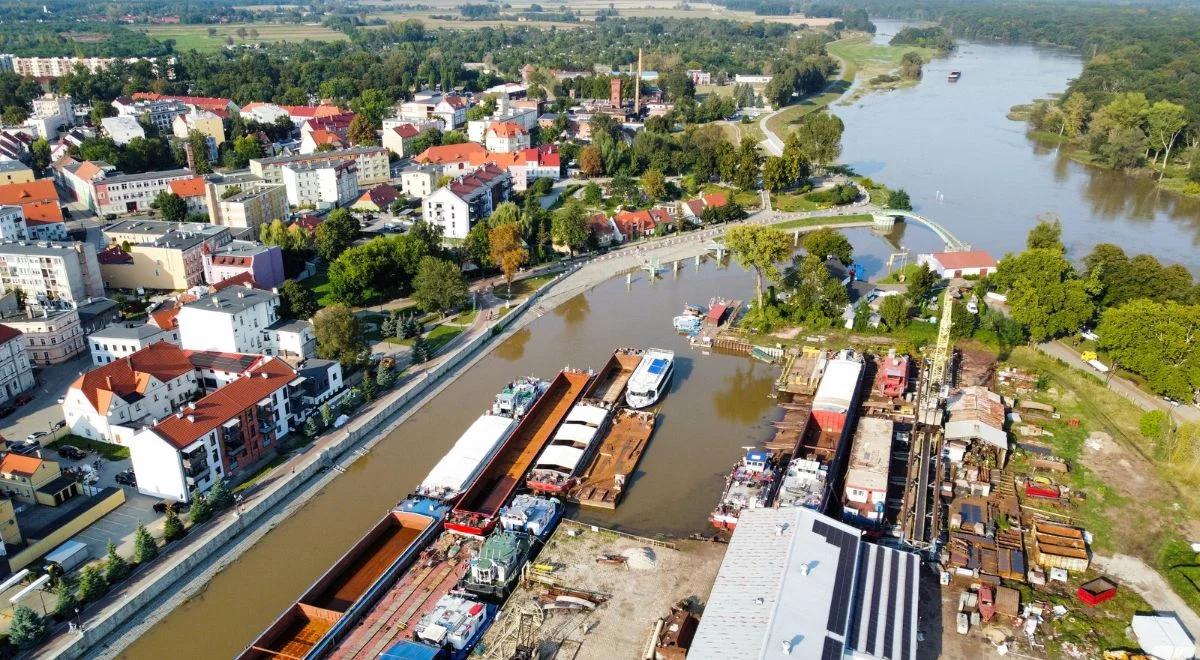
[976, 366]
[621, 626]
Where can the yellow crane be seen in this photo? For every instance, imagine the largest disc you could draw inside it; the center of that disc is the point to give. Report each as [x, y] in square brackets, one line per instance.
[936, 376]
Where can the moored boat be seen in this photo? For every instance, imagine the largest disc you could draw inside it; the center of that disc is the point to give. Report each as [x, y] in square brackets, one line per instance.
[570, 449]
[750, 485]
[494, 571]
[518, 397]
[603, 483]
[534, 515]
[651, 378]
[804, 484]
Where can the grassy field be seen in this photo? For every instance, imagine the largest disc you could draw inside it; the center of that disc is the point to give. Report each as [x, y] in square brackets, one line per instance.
[747, 199]
[830, 220]
[788, 203]
[108, 450]
[196, 37]
[318, 283]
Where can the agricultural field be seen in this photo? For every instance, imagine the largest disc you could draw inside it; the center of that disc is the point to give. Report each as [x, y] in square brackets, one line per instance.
[197, 37]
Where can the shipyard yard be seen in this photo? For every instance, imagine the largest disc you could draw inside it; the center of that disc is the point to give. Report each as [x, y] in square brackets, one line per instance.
[635, 581]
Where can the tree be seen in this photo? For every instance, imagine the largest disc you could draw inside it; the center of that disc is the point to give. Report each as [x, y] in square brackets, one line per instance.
[27, 629]
[477, 246]
[14, 115]
[590, 162]
[655, 184]
[1046, 235]
[746, 168]
[818, 297]
[826, 242]
[91, 584]
[507, 250]
[339, 334]
[1159, 341]
[144, 547]
[775, 174]
[313, 426]
[327, 415]
[920, 284]
[246, 148]
[439, 285]
[761, 249]
[592, 195]
[172, 206]
[368, 387]
[1155, 426]
[41, 154]
[894, 311]
[201, 510]
[821, 135]
[64, 596]
[898, 199]
[220, 496]
[795, 157]
[1043, 293]
[362, 131]
[569, 225]
[1165, 121]
[1075, 110]
[198, 142]
[335, 234]
[296, 301]
[385, 378]
[115, 566]
[172, 526]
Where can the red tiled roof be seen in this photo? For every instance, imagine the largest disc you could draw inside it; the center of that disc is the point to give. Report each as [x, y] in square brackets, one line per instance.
[38, 198]
[193, 187]
[452, 153]
[716, 200]
[321, 136]
[455, 101]
[406, 131]
[129, 375]
[311, 111]
[381, 195]
[696, 206]
[165, 317]
[226, 403]
[215, 105]
[631, 222]
[18, 464]
[506, 129]
[8, 333]
[87, 169]
[958, 260]
[308, 222]
[600, 225]
[244, 278]
[112, 255]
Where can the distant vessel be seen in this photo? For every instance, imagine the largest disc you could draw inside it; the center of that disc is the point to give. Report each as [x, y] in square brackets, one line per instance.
[954, 76]
[571, 448]
[651, 378]
[496, 568]
[750, 485]
[476, 446]
[689, 322]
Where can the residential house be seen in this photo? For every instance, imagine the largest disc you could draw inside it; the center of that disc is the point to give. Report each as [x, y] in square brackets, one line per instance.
[452, 111]
[605, 230]
[52, 114]
[131, 193]
[454, 159]
[321, 184]
[262, 113]
[191, 191]
[263, 263]
[641, 223]
[16, 373]
[63, 272]
[52, 335]
[53, 67]
[14, 171]
[457, 206]
[81, 178]
[232, 320]
[221, 107]
[158, 113]
[122, 129]
[120, 340]
[523, 166]
[302, 113]
[693, 210]
[377, 199]
[292, 339]
[14, 144]
[153, 254]
[506, 137]
[95, 314]
[972, 263]
[34, 480]
[699, 77]
[218, 435]
[419, 181]
[39, 201]
[395, 138]
[12, 224]
[318, 139]
[371, 163]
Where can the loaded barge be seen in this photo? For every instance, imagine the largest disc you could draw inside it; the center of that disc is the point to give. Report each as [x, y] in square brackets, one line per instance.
[604, 482]
[477, 509]
[571, 449]
[335, 602]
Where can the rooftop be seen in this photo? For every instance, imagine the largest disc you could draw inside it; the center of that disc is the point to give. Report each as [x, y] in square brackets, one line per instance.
[234, 363]
[129, 377]
[795, 583]
[144, 176]
[40, 248]
[197, 419]
[17, 464]
[12, 166]
[970, 259]
[352, 152]
[870, 454]
[234, 300]
[126, 331]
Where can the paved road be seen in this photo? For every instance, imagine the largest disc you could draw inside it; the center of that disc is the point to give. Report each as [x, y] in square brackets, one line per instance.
[41, 413]
[1134, 573]
[1122, 386]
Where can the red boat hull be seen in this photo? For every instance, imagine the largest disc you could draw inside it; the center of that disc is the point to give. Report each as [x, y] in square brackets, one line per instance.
[542, 488]
[723, 524]
[479, 529]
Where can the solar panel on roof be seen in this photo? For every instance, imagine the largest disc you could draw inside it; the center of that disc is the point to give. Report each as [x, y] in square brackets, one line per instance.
[657, 366]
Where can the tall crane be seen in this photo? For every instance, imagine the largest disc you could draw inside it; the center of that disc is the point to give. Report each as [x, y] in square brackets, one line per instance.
[939, 365]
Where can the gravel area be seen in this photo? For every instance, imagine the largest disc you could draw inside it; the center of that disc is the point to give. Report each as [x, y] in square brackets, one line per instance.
[637, 597]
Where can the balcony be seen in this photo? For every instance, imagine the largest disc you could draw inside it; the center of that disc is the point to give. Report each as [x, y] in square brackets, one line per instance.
[195, 466]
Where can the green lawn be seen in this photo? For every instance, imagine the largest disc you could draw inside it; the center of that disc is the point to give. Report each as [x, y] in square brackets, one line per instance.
[523, 287]
[318, 283]
[790, 203]
[196, 37]
[465, 318]
[826, 220]
[108, 450]
[747, 199]
[441, 335]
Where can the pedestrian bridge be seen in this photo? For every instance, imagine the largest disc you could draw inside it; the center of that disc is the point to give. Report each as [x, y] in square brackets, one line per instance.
[953, 243]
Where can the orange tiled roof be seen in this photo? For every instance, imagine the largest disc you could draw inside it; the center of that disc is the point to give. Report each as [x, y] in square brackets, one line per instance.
[505, 129]
[87, 169]
[193, 187]
[39, 199]
[131, 375]
[18, 464]
[226, 403]
[452, 153]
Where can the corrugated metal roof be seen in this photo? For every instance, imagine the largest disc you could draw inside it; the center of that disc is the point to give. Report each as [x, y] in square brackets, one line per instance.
[838, 385]
[459, 466]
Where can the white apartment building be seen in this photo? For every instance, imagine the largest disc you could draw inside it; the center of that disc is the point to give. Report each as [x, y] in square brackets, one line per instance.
[110, 403]
[66, 272]
[251, 208]
[372, 164]
[131, 193]
[122, 129]
[160, 113]
[419, 181]
[12, 224]
[322, 184]
[232, 320]
[16, 373]
[457, 206]
[52, 67]
[52, 336]
[120, 340]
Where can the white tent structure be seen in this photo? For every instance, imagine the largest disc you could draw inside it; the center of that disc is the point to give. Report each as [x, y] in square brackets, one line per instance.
[1163, 637]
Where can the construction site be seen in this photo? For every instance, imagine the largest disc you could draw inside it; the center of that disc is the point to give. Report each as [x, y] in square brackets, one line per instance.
[596, 594]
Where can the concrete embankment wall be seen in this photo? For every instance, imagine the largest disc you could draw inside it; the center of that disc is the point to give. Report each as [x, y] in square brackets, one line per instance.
[104, 628]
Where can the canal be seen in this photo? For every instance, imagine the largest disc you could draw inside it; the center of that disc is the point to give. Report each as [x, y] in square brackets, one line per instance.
[975, 171]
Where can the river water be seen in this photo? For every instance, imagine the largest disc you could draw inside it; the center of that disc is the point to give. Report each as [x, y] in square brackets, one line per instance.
[930, 139]
[972, 169]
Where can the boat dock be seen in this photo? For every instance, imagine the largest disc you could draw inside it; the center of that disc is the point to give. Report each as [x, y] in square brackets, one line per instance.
[721, 316]
[603, 483]
[435, 573]
[611, 380]
[477, 510]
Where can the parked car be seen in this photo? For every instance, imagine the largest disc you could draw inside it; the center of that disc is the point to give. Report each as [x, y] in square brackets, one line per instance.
[59, 424]
[72, 452]
[177, 507]
[24, 448]
[127, 478]
[35, 435]
[7, 410]
[23, 399]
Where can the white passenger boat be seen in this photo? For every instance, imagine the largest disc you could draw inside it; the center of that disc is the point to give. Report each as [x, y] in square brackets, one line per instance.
[651, 378]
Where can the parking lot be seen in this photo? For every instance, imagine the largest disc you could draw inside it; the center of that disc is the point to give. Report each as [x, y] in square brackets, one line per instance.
[43, 411]
[119, 525]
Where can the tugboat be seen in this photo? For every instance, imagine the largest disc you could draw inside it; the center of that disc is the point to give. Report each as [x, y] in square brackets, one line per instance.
[751, 485]
[496, 568]
[533, 515]
[804, 484]
[455, 625]
[518, 397]
[651, 378]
